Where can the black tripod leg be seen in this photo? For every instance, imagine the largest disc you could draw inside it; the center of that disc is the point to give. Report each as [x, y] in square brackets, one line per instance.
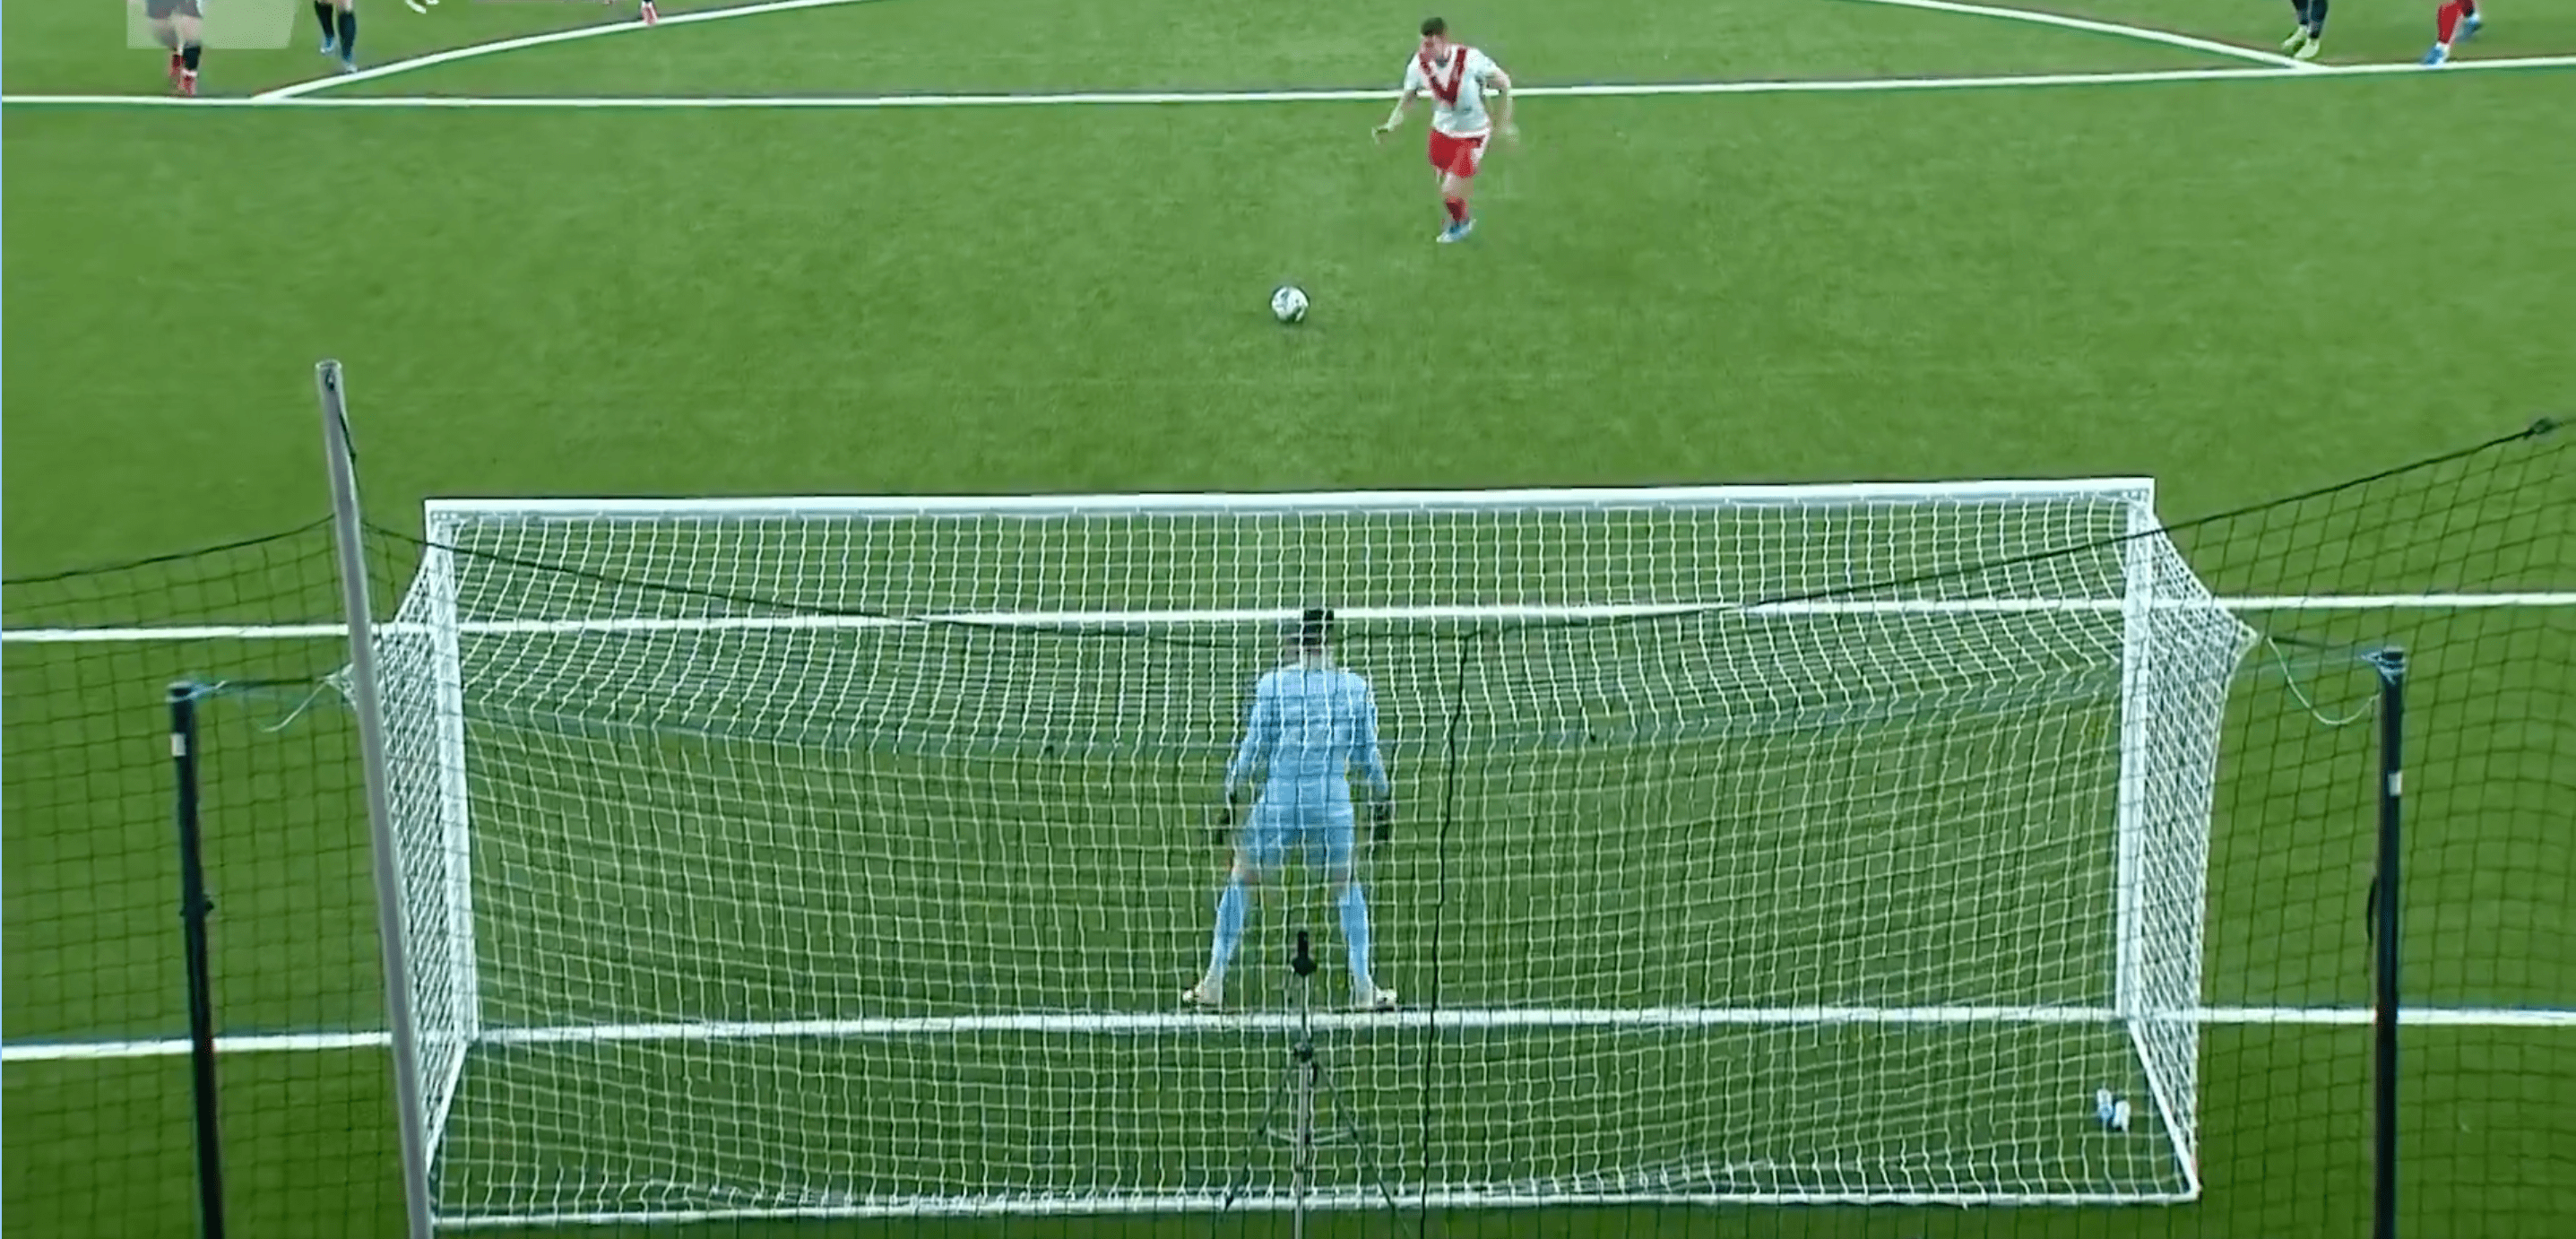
[1350, 1125]
[1260, 1133]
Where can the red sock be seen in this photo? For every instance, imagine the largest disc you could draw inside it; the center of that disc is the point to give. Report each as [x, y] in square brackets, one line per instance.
[1457, 209]
[2446, 23]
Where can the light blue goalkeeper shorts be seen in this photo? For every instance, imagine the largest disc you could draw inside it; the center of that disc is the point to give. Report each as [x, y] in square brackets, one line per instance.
[1313, 820]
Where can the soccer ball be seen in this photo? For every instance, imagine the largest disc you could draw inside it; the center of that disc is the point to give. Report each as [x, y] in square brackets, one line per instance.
[1288, 304]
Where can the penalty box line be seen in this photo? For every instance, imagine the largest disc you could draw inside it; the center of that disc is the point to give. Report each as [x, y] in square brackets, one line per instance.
[1154, 1023]
[1170, 98]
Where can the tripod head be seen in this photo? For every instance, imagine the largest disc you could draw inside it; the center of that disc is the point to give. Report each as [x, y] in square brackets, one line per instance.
[1303, 961]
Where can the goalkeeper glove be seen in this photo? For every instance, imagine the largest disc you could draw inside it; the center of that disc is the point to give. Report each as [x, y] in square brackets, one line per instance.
[1382, 821]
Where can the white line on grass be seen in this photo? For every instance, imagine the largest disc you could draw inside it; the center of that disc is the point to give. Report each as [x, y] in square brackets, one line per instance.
[1161, 619]
[1185, 1022]
[477, 50]
[1318, 1198]
[1108, 98]
[2140, 33]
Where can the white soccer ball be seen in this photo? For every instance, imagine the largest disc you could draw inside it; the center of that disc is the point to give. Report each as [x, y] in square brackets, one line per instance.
[1288, 304]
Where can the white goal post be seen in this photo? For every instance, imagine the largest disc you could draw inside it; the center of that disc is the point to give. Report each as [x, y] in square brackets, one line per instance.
[837, 856]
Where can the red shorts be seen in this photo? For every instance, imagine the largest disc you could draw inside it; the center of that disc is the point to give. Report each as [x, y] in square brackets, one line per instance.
[1456, 156]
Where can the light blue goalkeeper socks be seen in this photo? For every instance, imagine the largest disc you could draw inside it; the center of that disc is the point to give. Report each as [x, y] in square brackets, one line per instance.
[1229, 929]
[1355, 932]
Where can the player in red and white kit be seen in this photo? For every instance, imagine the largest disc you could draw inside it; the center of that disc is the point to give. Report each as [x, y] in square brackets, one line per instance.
[1457, 77]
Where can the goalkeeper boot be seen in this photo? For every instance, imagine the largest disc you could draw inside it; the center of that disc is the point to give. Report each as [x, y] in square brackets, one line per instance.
[1376, 998]
[1203, 995]
[2296, 43]
[2439, 56]
[2309, 49]
[2470, 25]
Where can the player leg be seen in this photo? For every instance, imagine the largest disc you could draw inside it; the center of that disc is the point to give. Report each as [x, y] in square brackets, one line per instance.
[2315, 30]
[2457, 19]
[324, 13]
[1353, 904]
[1257, 854]
[346, 32]
[1456, 180]
[2298, 39]
[1444, 151]
[190, 28]
[1453, 198]
[165, 31]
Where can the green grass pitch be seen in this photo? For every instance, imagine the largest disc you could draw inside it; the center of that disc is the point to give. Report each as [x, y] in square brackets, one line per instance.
[2240, 288]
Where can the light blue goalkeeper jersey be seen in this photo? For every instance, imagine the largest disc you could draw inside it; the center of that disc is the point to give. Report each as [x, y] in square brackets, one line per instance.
[1310, 727]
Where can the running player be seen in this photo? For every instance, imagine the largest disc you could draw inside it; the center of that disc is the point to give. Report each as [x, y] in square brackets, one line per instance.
[1457, 78]
[1312, 725]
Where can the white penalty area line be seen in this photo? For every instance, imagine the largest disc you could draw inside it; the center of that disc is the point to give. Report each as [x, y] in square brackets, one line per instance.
[1615, 90]
[2143, 34]
[1234, 618]
[302, 90]
[522, 43]
[2545, 1018]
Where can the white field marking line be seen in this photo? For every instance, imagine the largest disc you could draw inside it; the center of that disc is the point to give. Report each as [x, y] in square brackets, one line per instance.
[2140, 33]
[476, 50]
[1112, 98]
[1168, 619]
[825, 1204]
[1270, 1022]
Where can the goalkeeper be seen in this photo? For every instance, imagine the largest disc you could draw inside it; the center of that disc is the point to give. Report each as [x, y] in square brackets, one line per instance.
[1311, 724]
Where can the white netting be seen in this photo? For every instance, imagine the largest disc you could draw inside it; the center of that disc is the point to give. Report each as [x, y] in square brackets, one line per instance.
[821, 856]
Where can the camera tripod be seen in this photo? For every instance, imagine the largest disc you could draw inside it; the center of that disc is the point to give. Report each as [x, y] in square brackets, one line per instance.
[1300, 1081]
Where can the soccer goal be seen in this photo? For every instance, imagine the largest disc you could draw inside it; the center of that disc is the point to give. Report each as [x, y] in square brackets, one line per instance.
[1755, 844]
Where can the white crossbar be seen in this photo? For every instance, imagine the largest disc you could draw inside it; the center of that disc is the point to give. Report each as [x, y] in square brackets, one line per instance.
[1243, 503]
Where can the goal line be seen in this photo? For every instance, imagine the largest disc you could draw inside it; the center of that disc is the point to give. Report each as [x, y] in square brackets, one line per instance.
[1334, 1200]
[1461, 1020]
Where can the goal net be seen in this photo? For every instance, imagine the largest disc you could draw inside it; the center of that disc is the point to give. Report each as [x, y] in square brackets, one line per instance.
[832, 857]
